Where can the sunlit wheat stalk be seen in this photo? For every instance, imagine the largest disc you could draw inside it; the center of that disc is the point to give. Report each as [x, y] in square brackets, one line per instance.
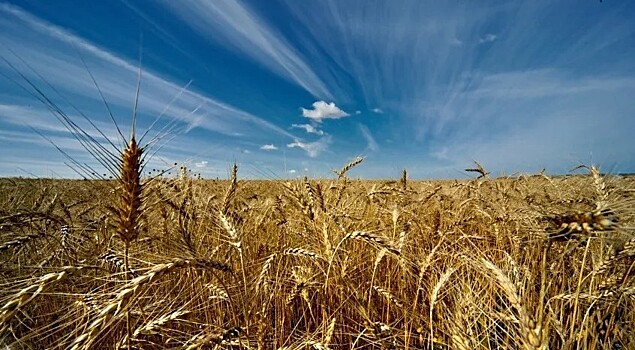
[26, 295]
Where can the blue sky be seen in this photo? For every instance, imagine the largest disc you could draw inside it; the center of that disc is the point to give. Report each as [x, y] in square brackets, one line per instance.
[293, 88]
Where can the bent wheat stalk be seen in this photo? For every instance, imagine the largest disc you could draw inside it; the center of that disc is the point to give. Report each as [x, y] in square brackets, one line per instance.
[26, 295]
[122, 301]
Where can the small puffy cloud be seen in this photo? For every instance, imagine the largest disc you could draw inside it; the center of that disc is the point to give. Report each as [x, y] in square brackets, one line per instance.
[246, 151]
[377, 110]
[308, 128]
[371, 144]
[269, 147]
[201, 164]
[488, 38]
[292, 171]
[322, 110]
[358, 112]
[313, 149]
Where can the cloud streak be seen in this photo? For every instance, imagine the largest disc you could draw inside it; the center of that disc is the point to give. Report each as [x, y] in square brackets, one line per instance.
[371, 144]
[116, 77]
[308, 128]
[313, 149]
[234, 25]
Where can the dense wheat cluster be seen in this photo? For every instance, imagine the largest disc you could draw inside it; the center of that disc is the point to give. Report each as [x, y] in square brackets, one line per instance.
[530, 262]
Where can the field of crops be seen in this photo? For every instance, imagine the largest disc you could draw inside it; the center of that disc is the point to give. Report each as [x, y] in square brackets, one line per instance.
[530, 262]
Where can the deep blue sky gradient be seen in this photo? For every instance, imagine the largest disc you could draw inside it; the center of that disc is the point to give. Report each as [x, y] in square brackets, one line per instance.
[428, 86]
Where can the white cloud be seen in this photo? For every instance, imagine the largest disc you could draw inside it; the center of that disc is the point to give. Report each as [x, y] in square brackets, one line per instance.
[488, 38]
[201, 164]
[313, 149]
[371, 144]
[358, 112]
[292, 171]
[308, 128]
[377, 110]
[322, 110]
[269, 147]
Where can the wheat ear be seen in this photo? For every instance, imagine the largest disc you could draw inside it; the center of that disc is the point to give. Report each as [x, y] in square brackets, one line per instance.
[26, 295]
[342, 172]
[122, 300]
[534, 336]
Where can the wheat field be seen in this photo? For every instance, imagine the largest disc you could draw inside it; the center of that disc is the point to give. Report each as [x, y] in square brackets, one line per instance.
[530, 262]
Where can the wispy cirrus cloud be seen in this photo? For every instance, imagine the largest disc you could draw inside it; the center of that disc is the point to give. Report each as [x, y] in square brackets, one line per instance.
[533, 119]
[234, 25]
[371, 144]
[406, 59]
[183, 109]
[26, 34]
[308, 128]
[394, 54]
[313, 149]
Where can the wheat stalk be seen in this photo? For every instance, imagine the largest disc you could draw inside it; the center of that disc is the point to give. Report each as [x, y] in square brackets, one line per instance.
[389, 296]
[124, 297]
[342, 172]
[434, 296]
[534, 335]
[302, 252]
[26, 295]
[154, 326]
[19, 241]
